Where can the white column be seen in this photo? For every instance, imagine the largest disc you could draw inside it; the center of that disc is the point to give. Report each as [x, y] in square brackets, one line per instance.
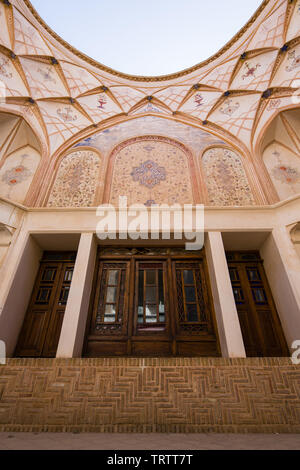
[231, 340]
[74, 324]
[282, 266]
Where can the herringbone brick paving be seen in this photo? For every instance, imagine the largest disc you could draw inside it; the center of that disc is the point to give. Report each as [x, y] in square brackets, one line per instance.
[150, 395]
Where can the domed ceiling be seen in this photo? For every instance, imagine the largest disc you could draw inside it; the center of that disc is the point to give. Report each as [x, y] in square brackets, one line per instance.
[65, 96]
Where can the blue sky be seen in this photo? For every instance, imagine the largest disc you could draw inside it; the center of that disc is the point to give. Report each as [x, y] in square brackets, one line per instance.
[147, 37]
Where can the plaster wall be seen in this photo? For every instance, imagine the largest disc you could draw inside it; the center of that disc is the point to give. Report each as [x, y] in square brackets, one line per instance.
[283, 271]
[14, 308]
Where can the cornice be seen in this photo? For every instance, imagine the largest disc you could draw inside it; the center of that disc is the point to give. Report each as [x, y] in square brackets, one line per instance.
[256, 208]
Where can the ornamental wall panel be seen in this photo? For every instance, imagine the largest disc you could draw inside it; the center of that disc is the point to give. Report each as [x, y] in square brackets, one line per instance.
[151, 170]
[225, 178]
[17, 173]
[76, 181]
[283, 166]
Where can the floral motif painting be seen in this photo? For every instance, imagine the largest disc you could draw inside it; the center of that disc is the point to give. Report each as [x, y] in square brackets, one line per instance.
[151, 170]
[76, 180]
[250, 70]
[230, 107]
[4, 68]
[284, 168]
[226, 180]
[286, 174]
[66, 114]
[149, 174]
[294, 61]
[17, 173]
[194, 138]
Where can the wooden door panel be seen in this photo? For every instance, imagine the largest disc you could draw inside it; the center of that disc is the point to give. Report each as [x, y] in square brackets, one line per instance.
[53, 334]
[194, 307]
[139, 315]
[150, 348]
[33, 334]
[260, 324]
[249, 334]
[109, 317]
[43, 321]
[151, 315]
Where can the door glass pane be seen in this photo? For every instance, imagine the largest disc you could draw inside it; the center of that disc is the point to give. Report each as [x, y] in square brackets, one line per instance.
[63, 298]
[238, 294]
[43, 295]
[49, 274]
[151, 295]
[141, 294]
[162, 317]
[188, 277]
[151, 314]
[253, 275]
[259, 296]
[110, 313]
[151, 299]
[68, 275]
[150, 277]
[111, 294]
[190, 294]
[192, 313]
[234, 275]
[140, 314]
[113, 277]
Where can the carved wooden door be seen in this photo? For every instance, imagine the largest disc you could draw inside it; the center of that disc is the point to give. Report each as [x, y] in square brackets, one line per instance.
[42, 326]
[151, 302]
[260, 324]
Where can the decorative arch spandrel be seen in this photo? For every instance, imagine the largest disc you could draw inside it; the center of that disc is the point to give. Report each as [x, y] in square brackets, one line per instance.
[77, 181]
[151, 170]
[226, 180]
[283, 166]
[17, 173]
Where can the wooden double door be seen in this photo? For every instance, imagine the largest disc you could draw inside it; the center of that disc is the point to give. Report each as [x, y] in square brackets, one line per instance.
[260, 324]
[43, 322]
[151, 302]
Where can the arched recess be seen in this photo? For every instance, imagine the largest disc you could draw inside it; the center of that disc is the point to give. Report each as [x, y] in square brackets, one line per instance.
[77, 179]
[20, 156]
[225, 178]
[6, 234]
[295, 237]
[281, 153]
[284, 169]
[151, 170]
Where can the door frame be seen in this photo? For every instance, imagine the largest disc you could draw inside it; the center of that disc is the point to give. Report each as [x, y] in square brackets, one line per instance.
[168, 255]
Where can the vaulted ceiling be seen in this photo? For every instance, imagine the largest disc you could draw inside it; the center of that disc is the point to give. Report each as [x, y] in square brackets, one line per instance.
[64, 95]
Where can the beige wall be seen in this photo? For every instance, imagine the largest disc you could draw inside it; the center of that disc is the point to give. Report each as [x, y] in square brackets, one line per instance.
[61, 228]
[74, 324]
[282, 267]
[14, 308]
[229, 329]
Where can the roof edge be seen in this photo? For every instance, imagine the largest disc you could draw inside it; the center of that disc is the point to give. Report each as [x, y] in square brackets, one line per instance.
[138, 78]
